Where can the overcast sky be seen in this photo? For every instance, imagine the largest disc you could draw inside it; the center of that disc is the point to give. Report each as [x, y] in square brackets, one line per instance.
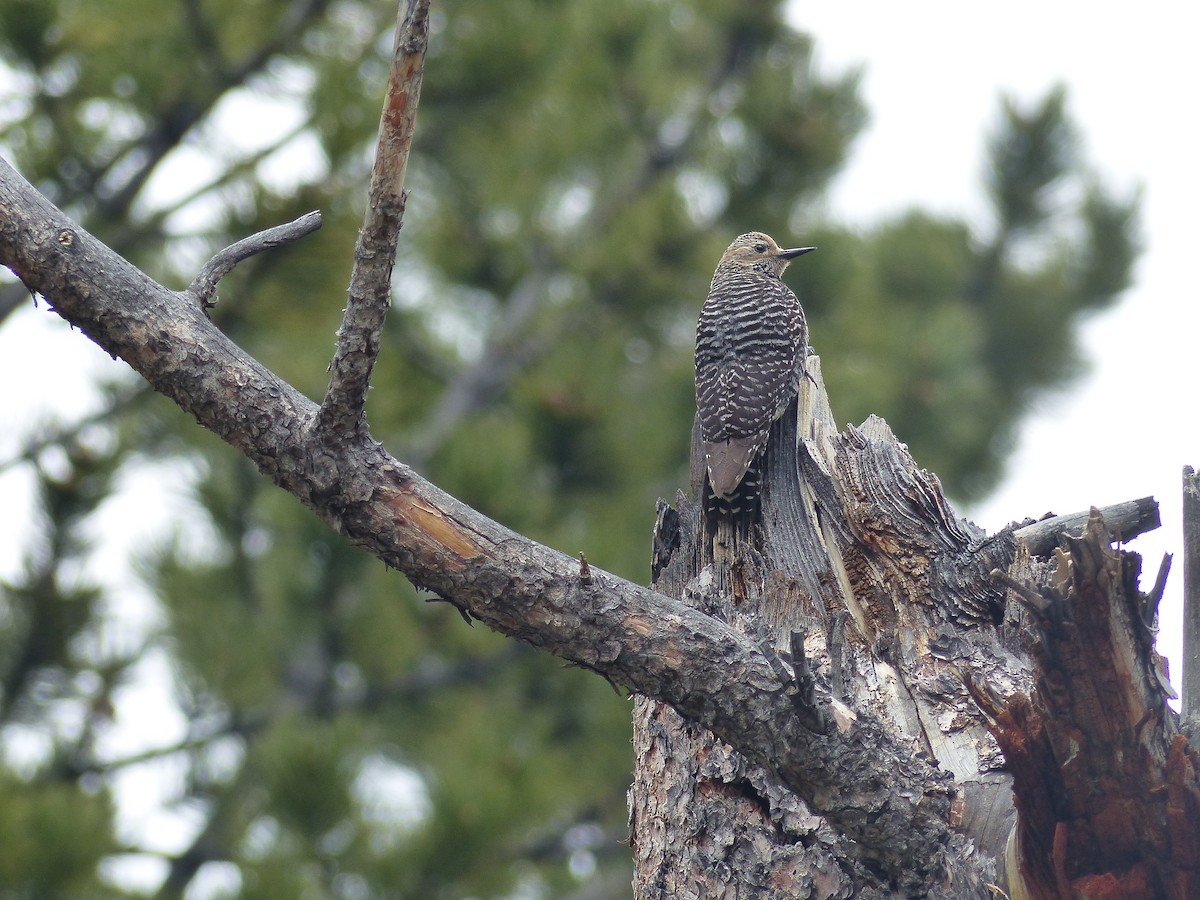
[933, 74]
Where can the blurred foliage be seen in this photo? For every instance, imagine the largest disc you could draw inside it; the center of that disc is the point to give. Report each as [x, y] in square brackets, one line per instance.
[577, 171]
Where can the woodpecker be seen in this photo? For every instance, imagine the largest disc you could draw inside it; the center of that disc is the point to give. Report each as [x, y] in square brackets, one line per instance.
[751, 342]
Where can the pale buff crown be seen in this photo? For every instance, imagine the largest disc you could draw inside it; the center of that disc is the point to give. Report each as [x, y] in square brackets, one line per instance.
[755, 250]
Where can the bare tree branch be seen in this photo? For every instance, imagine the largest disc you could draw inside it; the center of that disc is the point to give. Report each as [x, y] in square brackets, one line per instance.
[510, 347]
[204, 286]
[1126, 520]
[375, 255]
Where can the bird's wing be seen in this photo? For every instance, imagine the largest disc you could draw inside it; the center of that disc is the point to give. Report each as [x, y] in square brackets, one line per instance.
[746, 357]
[747, 394]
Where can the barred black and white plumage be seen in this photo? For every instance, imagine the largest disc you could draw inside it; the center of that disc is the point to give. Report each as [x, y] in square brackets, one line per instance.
[750, 345]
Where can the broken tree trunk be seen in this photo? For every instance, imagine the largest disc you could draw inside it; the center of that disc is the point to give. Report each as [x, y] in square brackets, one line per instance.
[1021, 663]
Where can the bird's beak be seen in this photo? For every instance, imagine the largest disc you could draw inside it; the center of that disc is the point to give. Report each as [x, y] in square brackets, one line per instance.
[794, 252]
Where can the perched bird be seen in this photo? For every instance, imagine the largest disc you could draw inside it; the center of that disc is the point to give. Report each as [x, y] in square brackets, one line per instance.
[750, 346]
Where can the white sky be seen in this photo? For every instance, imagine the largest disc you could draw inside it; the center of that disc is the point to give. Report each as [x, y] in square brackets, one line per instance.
[934, 71]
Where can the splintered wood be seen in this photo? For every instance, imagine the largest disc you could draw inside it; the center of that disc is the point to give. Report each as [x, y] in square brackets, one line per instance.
[1021, 663]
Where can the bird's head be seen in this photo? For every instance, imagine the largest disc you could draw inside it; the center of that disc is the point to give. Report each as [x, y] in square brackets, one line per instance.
[755, 250]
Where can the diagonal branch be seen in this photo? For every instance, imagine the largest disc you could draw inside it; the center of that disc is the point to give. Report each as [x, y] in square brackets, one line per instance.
[635, 637]
[510, 347]
[370, 282]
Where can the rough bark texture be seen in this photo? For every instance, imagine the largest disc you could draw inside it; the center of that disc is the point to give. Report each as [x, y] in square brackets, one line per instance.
[847, 581]
[1105, 785]
[369, 295]
[888, 607]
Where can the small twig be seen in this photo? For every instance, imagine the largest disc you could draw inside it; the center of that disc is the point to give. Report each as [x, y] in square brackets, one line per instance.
[585, 571]
[204, 287]
[370, 282]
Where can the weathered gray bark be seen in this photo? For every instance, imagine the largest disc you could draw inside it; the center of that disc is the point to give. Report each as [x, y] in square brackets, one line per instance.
[370, 289]
[890, 609]
[847, 583]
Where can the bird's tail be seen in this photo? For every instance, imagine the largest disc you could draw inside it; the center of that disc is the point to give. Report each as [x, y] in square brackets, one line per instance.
[742, 507]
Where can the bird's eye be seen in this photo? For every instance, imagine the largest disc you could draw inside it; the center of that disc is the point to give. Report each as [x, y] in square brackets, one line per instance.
[760, 247]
